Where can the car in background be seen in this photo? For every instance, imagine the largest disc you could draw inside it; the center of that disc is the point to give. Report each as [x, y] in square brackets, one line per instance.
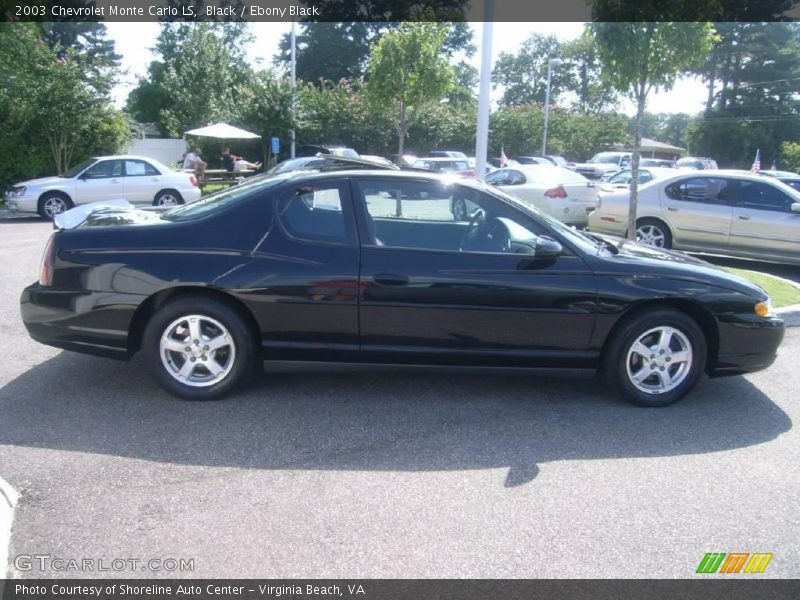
[327, 162]
[657, 162]
[406, 160]
[444, 165]
[719, 212]
[533, 160]
[561, 193]
[787, 177]
[622, 179]
[497, 162]
[378, 160]
[293, 164]
[370, 267]
[698, 163]
[560, 161]
[137, 179]
[332, 149]
[446, 154]
[603, 163]
[472, 162]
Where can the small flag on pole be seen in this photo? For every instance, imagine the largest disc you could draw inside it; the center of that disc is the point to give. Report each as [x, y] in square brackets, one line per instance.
[756, 163]
[503, 157]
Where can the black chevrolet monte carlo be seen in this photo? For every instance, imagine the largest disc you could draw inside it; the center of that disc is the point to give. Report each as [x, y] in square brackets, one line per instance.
[370, 266]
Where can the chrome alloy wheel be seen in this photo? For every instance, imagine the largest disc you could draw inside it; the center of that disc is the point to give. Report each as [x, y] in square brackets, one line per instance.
[197, 350]
[54, 205]
[167, 199]
[650, 235]
[659, 360]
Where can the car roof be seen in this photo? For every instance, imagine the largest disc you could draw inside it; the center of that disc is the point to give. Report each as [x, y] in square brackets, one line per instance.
[124, 156]
[440, 158]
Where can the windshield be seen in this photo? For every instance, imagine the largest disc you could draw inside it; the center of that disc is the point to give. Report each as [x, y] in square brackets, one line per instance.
[76, 170]
[605, 157]
[221, 199]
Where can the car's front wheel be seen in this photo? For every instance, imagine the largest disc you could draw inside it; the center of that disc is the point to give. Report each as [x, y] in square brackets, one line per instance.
[199, 348]
[53, 204]
[168, 198]
[656, 357]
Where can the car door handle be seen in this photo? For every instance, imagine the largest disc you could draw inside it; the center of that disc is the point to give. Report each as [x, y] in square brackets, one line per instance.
[743, 217]
[115, 181]
[390, 279]
[672, 209]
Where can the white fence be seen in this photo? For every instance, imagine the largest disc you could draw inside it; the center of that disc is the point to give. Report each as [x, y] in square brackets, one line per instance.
[167, 151]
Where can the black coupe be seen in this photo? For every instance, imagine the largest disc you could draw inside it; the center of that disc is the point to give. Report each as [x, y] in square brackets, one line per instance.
[372, 267]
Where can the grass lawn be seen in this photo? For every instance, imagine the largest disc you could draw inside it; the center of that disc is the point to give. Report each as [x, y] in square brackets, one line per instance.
[210, 189]
[782, 293]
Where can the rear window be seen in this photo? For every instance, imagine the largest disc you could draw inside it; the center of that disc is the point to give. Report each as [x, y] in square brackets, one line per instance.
[220, 200]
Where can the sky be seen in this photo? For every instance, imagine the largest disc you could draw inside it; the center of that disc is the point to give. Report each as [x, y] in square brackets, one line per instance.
[134, 41]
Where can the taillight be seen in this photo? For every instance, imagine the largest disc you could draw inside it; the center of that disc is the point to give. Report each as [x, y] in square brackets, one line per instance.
[556, 192]
[193, 180]
[46, 268]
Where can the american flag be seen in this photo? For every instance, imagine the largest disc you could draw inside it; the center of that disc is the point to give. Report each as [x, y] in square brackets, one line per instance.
[756, 163]
[503, 157]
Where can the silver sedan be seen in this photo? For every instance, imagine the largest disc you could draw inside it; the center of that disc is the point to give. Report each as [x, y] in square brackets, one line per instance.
[716, 212]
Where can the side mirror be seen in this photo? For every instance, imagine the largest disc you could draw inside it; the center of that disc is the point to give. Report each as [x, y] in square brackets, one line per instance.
[547, 247]
[796, 207]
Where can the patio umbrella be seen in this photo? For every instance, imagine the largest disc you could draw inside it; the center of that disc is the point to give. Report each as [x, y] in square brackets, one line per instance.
[223, 131]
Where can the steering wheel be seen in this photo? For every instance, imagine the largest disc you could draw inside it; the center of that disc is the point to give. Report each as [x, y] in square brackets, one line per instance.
[497, 237]
[477, 218]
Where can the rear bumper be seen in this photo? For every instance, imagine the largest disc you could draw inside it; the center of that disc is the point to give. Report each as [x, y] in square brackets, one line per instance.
[88, 322]
[747, 344]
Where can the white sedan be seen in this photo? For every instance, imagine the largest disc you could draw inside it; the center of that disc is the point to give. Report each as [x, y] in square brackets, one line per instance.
[137, 179]
[562, 193]
[718, 212]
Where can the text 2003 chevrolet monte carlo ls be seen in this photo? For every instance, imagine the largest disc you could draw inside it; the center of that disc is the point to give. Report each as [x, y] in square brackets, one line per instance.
[370, 266]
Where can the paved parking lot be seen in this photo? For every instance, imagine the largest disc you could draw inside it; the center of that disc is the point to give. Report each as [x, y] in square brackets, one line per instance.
[311, 473]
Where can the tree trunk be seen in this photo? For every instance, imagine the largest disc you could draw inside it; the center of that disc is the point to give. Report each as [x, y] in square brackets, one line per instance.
[641, 95]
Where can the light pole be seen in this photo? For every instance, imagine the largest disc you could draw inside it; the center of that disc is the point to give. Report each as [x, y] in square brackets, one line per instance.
[550, 63]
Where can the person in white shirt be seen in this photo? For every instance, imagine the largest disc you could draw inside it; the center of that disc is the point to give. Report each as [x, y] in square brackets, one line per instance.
[194, 161]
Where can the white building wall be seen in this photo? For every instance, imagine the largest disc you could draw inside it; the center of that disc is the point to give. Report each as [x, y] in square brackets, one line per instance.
[167, 151]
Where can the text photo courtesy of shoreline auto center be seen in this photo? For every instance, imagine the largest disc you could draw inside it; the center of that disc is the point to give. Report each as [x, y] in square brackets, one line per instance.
[399, 300]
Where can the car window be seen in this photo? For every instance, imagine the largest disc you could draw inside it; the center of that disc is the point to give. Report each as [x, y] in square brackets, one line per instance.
[316, 212]
[139, 168]
[622, 177]
[704, 190]
[761, 196]
[497, 178]
[515, 178]
[104, 169]
[421, 215]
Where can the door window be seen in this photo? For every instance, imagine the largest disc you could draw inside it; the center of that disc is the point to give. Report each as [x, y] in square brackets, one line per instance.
[419, 215]
[761, 196]
[704, 190]
[139, 168]
[317, 212]
[104, 170]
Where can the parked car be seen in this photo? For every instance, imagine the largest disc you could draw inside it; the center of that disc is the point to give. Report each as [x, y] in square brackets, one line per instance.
[379, 160]
[471, 161]
[134, 178]
[328, 162]
[533, 160]
[370, 266]
[697, 163]
[444, 165]
[293, 164]
[657, 162]
[787, 177]
[404, 161]
[622, 179]
[497, 162]
[738, 214]
[447, 154]
[332, 149]
[561, 193]
[603, 163]
[560, 161]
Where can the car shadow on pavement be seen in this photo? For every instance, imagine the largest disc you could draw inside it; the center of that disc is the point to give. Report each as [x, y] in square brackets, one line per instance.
[359, 420]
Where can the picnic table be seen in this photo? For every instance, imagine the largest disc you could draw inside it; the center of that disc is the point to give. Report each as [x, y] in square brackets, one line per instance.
[221, 176]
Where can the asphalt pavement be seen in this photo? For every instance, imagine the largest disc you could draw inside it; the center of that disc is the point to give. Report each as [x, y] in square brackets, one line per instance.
[385, 473]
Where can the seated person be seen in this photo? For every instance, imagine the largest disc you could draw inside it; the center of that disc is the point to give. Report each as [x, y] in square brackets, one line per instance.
[228, 159]
[194, 161]
[242, 165]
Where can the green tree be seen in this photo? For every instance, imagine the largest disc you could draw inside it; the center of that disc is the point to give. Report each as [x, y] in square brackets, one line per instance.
[523, 76]
[593, 92]
[790, 156]
[267, 101]
[408, 74]
[200, 77]
[638, 57]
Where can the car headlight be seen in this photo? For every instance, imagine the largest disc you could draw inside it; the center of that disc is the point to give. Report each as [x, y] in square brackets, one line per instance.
[765, 308]
[18, 191]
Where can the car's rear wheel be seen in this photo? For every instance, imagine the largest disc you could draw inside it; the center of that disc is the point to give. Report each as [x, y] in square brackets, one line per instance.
[199, 348]
[653, 233]
[168, 198]
[656, 357]
[53, 204]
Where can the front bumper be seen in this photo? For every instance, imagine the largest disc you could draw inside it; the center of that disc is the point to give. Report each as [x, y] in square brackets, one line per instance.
[16, 203]
[747, 344]
[82, 321]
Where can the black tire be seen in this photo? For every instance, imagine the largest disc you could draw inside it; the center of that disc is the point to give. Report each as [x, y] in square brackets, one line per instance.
[53, 203]
[460, 210]
[168, 198]
[622, 362]
[238, 363]
[659, 231]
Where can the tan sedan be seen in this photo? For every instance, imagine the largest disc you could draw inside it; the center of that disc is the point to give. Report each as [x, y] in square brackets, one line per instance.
[718, 212]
